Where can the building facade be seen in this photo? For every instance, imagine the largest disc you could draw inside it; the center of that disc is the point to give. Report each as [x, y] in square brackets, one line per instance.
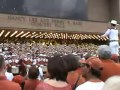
[103, 10]
[98, 15]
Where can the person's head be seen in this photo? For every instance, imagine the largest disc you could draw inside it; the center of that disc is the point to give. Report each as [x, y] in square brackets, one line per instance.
[95, 63]
[112, 83]
[95, 66]
[115, 58]
[18, 79]
[113, 23]
[90, 72]
[33, 72]
[57, 68]
[84, 67]
[104, 52]
[72, 62]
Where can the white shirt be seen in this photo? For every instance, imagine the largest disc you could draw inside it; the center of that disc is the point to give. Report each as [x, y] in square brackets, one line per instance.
[90, 86]
[112, 33]
[41, 73]
[9, 76]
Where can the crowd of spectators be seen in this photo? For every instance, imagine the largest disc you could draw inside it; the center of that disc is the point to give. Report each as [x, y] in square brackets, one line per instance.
[37, 53]
[22, 50]
[68, 67]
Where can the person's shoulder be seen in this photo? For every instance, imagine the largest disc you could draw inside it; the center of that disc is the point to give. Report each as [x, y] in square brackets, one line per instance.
[117, 64]
[45, 86]
[27, 81]
[13, 85]
[89, 85]
[113, 29]
[32, 81]
[69, 87]
[108, 61]
[41, 86]
[83, 86]
[111, 64]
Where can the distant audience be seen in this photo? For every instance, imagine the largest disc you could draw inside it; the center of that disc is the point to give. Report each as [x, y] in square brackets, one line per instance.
[67, 67]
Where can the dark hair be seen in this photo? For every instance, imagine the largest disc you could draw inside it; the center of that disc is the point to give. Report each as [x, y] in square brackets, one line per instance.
[9, 69]
[22, 70]
[57, 68]
[33, 72]
[95, 72]
[72, 62]
[2, 61]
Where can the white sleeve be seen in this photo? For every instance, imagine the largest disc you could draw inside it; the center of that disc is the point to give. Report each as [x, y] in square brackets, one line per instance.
[106, 33]
[41, 71]
[11, 77]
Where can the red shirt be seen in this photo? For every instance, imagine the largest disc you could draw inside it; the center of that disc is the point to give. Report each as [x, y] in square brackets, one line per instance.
[110, 68]
[73, 76]
[31, 84]
[45, 86]
[8, 85]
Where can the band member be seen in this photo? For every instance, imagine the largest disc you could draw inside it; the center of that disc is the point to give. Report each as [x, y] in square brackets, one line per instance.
[112, 33]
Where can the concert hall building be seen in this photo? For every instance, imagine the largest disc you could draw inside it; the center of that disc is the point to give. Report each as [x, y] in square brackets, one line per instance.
[63, 20]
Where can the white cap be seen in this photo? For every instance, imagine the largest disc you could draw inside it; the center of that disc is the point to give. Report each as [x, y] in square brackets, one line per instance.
[114, 22]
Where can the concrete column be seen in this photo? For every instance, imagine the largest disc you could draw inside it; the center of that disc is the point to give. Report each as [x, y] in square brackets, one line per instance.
[114, 9]
[119, 11]
[98, 10]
